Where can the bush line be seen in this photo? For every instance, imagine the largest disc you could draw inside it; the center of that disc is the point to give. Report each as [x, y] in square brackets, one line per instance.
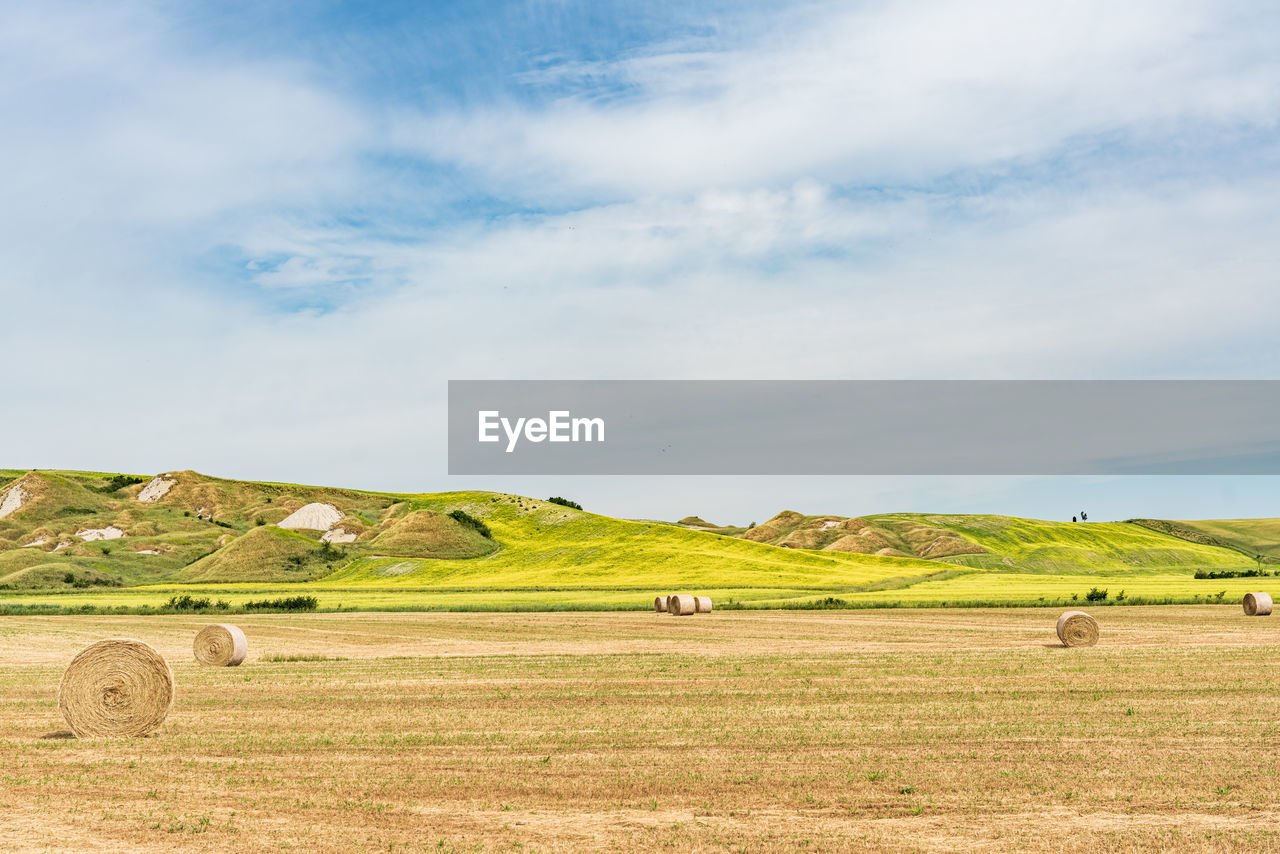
[829, 603]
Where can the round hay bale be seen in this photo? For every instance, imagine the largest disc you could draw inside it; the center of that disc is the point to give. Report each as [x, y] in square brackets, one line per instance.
[660, 604]
[220, 645]
[1257, 604]
[682, 605]
[1076, 628]
[117, 688]
[702, 604]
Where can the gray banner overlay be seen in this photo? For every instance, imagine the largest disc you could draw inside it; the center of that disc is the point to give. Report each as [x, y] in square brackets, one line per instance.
[874, 427]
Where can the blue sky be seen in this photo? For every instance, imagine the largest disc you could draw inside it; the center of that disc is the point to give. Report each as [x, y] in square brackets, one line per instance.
[257, 239]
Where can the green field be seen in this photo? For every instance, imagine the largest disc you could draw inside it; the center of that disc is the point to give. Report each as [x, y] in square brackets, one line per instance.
[221, 540]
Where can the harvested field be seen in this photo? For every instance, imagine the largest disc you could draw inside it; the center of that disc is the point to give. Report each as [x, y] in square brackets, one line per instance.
[812, 731]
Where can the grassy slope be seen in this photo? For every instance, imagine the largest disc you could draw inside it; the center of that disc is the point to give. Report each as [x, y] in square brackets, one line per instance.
[892, 536]
[204, 529]
[265, 554]
[549, 546]
[1093, 548]
[539, 550]
[61, 503]
[426, 533]
[1248, 536]
[545, 555]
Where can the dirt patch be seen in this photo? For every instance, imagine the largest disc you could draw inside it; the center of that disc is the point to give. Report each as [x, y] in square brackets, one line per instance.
[111, 532]
[313, 517]
[13, 500]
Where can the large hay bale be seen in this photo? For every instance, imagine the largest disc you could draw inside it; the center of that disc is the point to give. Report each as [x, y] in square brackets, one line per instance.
[1257, 604]
[221, 645]
[660, 604]
[1076, 628]
[702, 604]
[118, 687]
[682, 605]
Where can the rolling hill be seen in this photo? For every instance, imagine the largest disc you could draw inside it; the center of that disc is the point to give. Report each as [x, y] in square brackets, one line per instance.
[1253, 538]
[192, 528]
[999, 543]
[80, 536]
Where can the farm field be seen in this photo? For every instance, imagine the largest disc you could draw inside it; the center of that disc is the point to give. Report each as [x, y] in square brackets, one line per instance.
[951, 588]
[184, 533]
[922, 729]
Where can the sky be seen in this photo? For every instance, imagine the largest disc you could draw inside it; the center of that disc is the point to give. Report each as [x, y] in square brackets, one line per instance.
[257, 239]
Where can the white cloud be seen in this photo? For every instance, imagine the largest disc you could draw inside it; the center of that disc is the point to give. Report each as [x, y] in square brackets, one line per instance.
[113, 125]
[881, 92]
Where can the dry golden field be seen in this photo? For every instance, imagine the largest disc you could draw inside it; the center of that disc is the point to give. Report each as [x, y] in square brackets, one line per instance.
[758, 731]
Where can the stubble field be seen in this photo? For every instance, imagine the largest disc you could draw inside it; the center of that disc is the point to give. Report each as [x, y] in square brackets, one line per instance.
[757, 731]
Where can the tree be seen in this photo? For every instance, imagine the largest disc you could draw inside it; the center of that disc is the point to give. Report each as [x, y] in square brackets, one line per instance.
[564, 502]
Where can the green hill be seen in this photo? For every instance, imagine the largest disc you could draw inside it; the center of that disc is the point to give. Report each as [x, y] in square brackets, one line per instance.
[1033, 545]
[1250, 537]
[1003, 543]
[429, 534]
[70, 537]
[205, 530]
[548, 545]
[882, 535]
[266, 554]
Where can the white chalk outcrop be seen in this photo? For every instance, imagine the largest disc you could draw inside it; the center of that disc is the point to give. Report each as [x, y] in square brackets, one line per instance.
[158, 487]
[111, 532]
[313, 517]
[13, 500]
[339, 535]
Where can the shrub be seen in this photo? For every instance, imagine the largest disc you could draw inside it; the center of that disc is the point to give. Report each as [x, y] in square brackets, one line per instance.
[1232, 573]
[325, 553]
[471, 522]
[287, 603]
[119, 482]
[830, 602]
[84, 583]
[564, 502]
[187, 602]
[1096, 595]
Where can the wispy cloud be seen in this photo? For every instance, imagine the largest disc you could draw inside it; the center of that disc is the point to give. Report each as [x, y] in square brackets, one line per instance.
[878, 94]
